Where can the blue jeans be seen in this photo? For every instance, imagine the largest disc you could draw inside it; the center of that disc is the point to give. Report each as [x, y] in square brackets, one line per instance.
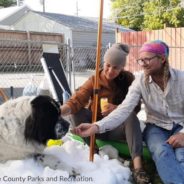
[169, 161]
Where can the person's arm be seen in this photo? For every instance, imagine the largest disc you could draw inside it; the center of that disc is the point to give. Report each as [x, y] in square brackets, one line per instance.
[86, 129]
[121, 113]
[115, 118]
[65, 110]
[79, 99]
[131, 78]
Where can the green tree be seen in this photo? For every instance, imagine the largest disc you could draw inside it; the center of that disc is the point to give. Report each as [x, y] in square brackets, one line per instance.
[148, 14]
[128, 13]
[7, 3]
[158, 13]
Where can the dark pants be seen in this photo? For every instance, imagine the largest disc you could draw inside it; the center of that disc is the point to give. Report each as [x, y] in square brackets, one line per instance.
[129, 131]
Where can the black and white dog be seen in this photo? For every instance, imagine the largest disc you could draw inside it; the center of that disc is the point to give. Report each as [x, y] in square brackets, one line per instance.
[26, 124]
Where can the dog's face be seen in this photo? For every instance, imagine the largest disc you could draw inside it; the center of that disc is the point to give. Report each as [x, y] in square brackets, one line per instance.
[45, 121]
[61, 128]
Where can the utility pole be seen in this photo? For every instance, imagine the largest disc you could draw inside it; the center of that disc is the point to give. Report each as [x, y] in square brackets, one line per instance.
[43, 6]
[77, 9]
[20, 2]
[42, 2]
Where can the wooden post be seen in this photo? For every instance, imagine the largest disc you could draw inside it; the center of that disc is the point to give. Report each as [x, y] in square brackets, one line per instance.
[96, 86]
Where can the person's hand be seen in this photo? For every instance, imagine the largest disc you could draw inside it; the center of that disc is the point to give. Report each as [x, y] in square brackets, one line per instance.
[65, 110]
[85, 129]
[177, 140]
[108, 108]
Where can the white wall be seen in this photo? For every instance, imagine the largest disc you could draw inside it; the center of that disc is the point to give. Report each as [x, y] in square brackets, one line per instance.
[89, 38]
[34, 22]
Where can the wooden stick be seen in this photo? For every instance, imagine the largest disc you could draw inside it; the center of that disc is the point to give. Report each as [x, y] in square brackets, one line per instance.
[96, 86]
[2, 94]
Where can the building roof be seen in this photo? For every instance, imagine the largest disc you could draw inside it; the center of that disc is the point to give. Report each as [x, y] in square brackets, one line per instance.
[9, 16]
[5, 12]
[81, 23]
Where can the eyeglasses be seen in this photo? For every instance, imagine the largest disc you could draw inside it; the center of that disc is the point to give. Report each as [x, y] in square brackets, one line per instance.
[145, 60]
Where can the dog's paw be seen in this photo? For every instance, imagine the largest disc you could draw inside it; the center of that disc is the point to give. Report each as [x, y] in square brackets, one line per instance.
[62, 166]
[54, 163]
[48, 160]
[74, 173]
[39, 157]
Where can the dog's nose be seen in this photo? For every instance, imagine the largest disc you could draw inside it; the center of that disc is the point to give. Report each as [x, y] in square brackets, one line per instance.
[61, 128]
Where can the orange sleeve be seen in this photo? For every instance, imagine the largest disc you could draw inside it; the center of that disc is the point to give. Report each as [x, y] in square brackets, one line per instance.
[82, 96]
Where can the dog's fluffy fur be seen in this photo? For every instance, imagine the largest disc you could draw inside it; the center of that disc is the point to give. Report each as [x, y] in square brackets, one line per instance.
[26, 124]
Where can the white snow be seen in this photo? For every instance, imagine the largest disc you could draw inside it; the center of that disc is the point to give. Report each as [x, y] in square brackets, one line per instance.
[75, 154]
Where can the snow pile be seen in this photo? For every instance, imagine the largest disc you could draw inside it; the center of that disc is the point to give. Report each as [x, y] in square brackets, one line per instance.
[76, 155]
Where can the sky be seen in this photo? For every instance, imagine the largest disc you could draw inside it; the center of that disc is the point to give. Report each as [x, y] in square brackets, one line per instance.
[76, 154]
[90, 8]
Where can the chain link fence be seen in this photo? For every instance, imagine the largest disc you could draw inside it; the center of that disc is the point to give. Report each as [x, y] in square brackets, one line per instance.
[84, 63]
[20, 64]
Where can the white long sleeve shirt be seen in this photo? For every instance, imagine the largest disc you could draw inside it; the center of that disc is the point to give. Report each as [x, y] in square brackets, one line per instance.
[163, 108]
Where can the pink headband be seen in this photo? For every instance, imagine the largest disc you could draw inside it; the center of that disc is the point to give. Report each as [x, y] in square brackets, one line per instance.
[156, 47]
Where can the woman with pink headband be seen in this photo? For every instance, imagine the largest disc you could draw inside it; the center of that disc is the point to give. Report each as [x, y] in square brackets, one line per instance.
[161, 89]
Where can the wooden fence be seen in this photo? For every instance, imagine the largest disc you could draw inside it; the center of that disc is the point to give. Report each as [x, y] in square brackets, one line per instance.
[174, 37]
[23, 48]
[31, 36]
